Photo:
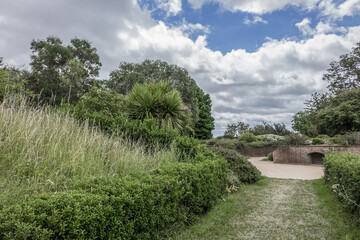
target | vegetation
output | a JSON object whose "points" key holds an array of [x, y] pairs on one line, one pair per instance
{"points": [[127, 75], [62, 72], [342, 173], [337, 111], [244, 171], [247, 137], [237, 129]]}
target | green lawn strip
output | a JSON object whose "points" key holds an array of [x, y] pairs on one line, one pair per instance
{"points": [[345, 225], [275, 209]]}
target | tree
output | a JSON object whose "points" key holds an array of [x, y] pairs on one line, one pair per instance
{"points": [[12, 81], [270, 128], [62, 72], [341, 113], [344, 74], [338, 110], [205, 123], [236, 129], [157, 101], [127, 75]]}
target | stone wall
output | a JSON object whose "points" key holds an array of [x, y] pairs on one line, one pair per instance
{"points": [[257, 152], [307, 154]]}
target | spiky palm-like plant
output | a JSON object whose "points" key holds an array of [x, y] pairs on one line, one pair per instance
{"points": [[159, 101]]}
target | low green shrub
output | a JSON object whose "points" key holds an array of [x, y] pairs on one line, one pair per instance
{"points": [[270, 138], [294, 139], [247, 137], [342, 172], [270, 157], [245, 171], [317, 141], [139, 207]]}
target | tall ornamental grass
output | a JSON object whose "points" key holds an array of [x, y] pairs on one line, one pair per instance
{"points": [[43, 150]]}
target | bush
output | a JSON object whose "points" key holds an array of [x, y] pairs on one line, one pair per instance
{"points": [[294, 139], [270, 138], [317, 141], [247, 137], [112, 208], [342, 172], [244, 170], [270, 157]]}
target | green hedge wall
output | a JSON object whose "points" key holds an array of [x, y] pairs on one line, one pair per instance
{"points": [[342, 172], [111, 208]]}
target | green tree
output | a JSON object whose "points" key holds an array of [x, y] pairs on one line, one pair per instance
{"points": [[12, 81], [127, 75], [62, 72], [236, 129], [270, 128], [336, 111], [157, 101], [345, 73], [205, 123]]}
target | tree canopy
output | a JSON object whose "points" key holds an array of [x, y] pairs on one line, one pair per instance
{"points": [[338, 110], [62, 72]]}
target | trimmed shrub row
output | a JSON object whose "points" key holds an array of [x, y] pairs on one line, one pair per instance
{"points": [[111, 208], [342, 172]]}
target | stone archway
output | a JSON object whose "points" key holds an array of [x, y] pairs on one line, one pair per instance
{"points": [[316, 158]]}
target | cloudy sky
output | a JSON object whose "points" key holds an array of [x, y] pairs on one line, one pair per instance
{"points": [[259, 59]]}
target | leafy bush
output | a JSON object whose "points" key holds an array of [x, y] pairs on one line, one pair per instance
{"points": [[294, 139], [270, 157], [317, 141], [245, 171], [270, 138], [113, 208], [342, 172], [247, 137]]}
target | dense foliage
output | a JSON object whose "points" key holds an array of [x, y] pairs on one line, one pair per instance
{"points": [[62, 72], [342, 172], [338, 110], [205, 123], [112, 208], [239, 128], [238, 164]]}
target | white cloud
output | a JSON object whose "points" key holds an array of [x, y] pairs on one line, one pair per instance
{"points": [[256, 19], [321, 27], [191, 28], [338, 11], [255, 6], [171, 7], [270, 83], [304, 26]]}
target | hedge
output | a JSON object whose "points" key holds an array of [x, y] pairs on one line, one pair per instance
{"points": [[342, 172], [111, 208]]}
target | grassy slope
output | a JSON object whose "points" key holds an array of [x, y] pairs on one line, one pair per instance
{"points": [[44, 151], [276, 209]]}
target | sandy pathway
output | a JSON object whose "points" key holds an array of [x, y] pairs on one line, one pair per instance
{"points": [[287, 171]]}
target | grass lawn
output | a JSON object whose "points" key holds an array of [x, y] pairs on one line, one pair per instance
{"points": [[275, 209]]}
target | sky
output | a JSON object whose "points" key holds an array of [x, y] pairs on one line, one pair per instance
{"points": [[259, 60]]}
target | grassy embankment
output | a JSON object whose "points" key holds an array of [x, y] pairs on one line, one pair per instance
{"points": [[44, 151], [276, 209]]}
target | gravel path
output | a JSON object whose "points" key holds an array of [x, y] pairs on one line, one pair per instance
{"points": [[287, 171]]}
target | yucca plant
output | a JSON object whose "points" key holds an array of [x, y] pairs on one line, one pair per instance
{"points": [[159, 101]]}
